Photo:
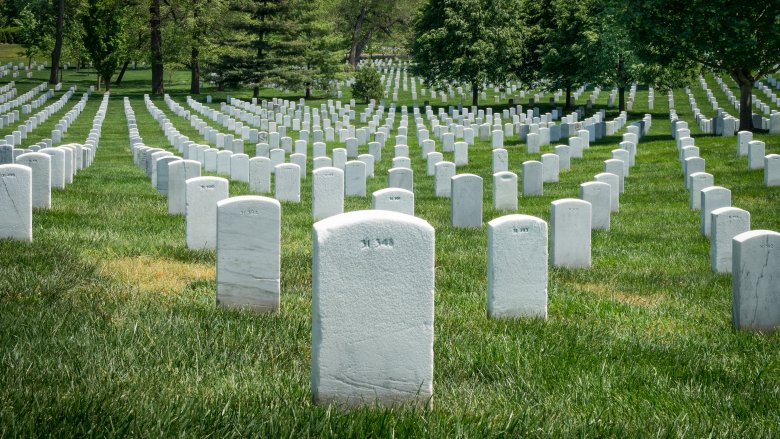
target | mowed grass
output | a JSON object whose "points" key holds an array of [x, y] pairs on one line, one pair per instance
{"points": [[109, 325]]}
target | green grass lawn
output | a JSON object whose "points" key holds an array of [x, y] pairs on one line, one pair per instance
{"points": [[109, 325]]}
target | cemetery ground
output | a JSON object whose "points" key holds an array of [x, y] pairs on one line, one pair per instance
{"points": [[109, 324]]}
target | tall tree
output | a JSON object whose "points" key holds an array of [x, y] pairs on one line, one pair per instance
{"points": [[741, 40], [364, 20], [104, 36], [155, 23], [273, 43], [467, 41], [558, 38], [57, 51], [29, 35]]}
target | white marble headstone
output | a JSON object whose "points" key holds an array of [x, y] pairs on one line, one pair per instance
{"points": [[16, 202], [570, 233], [517, 267], [756, 280], [372, 337], [202, 195]]}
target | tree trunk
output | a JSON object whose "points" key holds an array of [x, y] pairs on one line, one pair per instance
{"points": [[107, 80], [122, 72], [158, 77], [308, 91], [57, 51], [256, 91], [354, 53], [98, 82], [621, 98], [474, 94], [568, 98], [745, 82], [195, 69]]}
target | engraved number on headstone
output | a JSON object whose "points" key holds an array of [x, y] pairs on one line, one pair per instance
{"points": [[370, 244]]}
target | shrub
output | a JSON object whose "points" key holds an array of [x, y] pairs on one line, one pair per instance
{"points": [[367, 84]]}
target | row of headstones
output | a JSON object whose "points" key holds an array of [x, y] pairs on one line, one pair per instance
{"points": [[26, 182], [769, 94], [754, 150], [212, 136], [721, 125], [752, 257], [7, 105], [357, 188], [772, 123], [758, 103], [329, 190], [14, 116], [305, 121], [9, 153], [17, 137]]}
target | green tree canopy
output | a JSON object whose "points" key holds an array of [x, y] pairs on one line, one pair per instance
{"points": [[468, 41], [735, 38], [104, 36]]}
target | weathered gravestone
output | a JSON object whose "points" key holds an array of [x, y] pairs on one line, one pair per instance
{"points": [[401, 178], [163, 173], [756, 152], [431, 159], [40, 165], [442, 186], [500, 160], [772, 170], [517, 267], [614, 185], [570, 233], [617, 167], [393, 199], [505, 191], [239, 168], [327, 192], [550, 168], [287, 182], [202, 195], [713, 197], [16, 202], [248, 252], [756, 280], [598, 194], [726, 223], [533, 178], [466, 201], [372, 309], [260, 170], [6, 154], [564, 157], [179, 172], [57, 166], [691, 166], [699, 181], [743, 138]]}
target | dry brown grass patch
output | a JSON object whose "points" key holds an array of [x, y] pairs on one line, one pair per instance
{"points": [[157, 274], [607, 292]]}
